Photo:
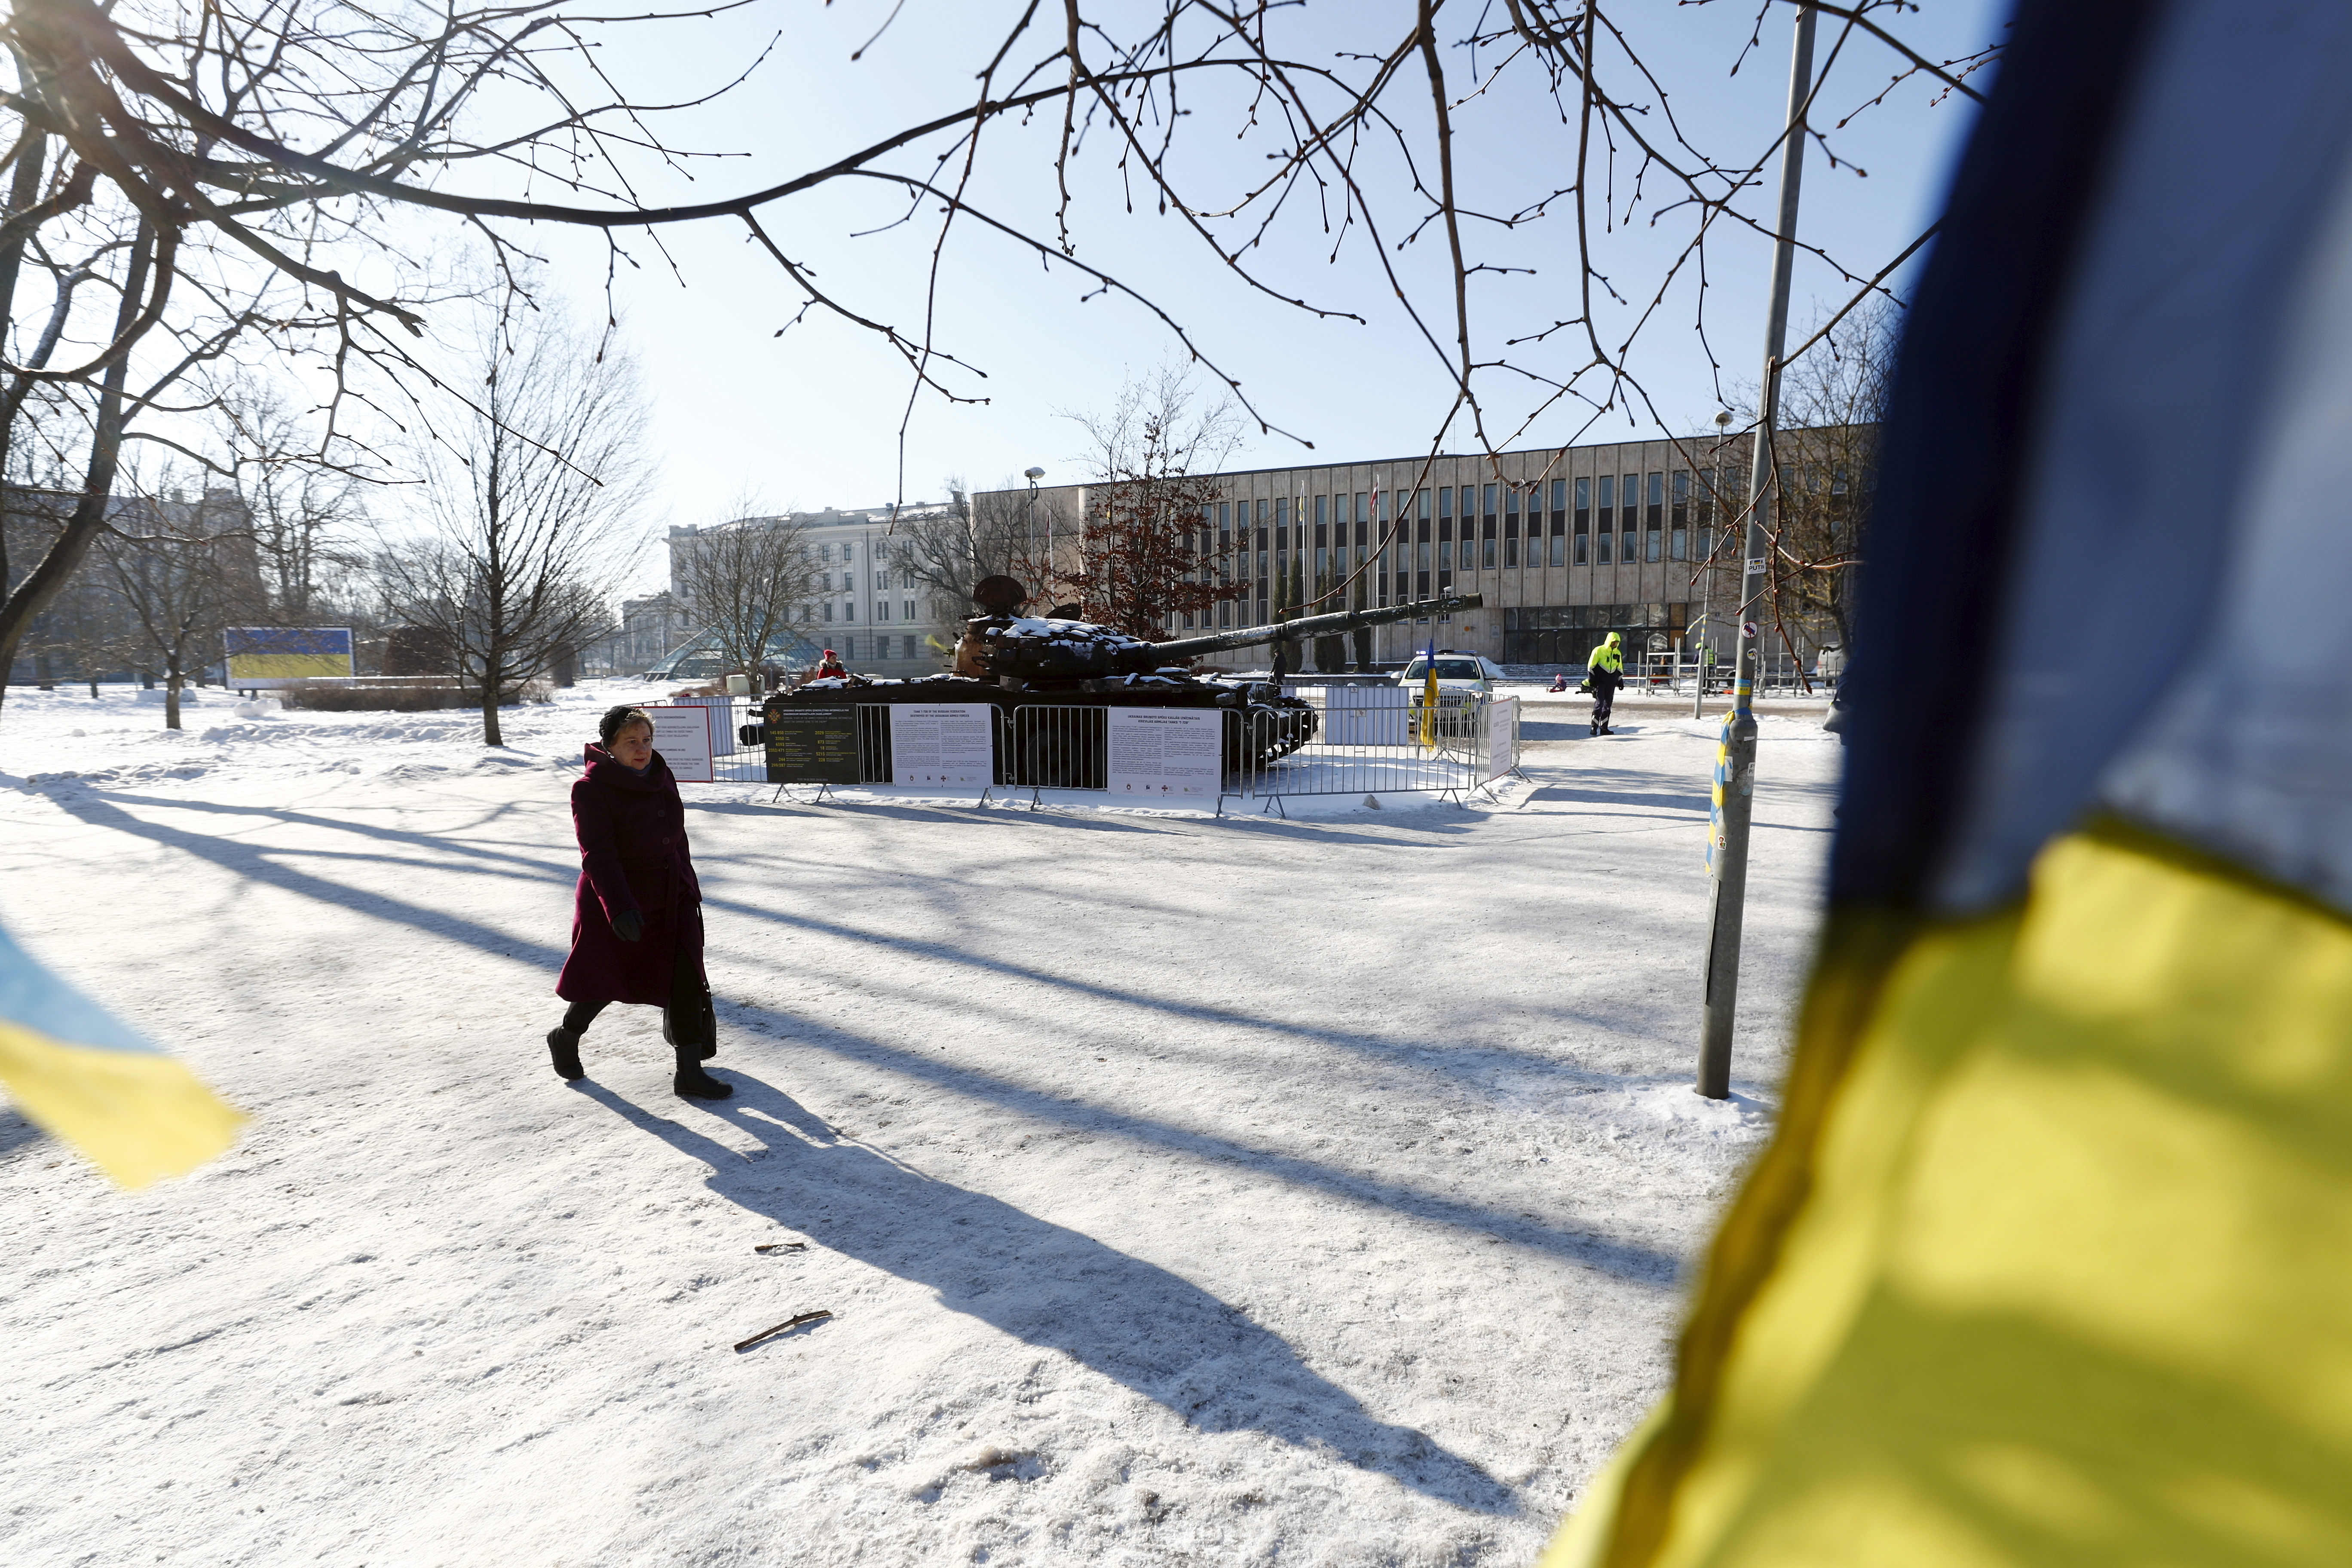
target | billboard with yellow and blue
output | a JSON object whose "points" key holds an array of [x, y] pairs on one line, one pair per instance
{"points": [[262, 657]]}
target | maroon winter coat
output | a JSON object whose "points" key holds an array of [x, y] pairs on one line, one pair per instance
{"points": [[632, 855]]}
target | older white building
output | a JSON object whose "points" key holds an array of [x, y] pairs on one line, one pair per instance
{"points": [[862, 602]]}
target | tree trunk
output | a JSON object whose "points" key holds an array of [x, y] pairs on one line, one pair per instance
{"points": [[491, 734], [172, 695], [45, 581]]}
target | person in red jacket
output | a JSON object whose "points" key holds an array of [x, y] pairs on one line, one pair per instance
{"points": [[636, 921]]}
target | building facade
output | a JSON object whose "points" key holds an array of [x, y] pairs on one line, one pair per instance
{"points": [[1564, 546], [864, 601]]}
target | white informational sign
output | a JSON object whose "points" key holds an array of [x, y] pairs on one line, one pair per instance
{"points": [[1502, 737], [1368, 715], [943, 743], [1167, 753], [682, 736]]}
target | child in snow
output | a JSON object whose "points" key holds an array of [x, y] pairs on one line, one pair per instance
{"points": [[636, 921]]}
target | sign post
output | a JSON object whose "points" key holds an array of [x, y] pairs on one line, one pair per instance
{"points": [[1734, 764]]}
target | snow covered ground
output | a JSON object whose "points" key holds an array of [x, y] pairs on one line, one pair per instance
{"points": [[1183, 1190]]}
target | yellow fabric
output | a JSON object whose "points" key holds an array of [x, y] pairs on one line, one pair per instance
{"points": [[2067, 1275], [140, 1117], [288, 665], [1608, 656]]}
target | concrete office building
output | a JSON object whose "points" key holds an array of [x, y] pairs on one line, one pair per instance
{"points": [[1565, 546]]}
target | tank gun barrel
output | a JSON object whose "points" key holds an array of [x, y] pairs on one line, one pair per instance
{"points": [[1318, 625]]}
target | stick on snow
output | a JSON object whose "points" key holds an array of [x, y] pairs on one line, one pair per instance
{"points": [[782, 1247], [792, 1322]]}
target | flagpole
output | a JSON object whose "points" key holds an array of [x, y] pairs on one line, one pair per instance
{"points": [[1734, 764]]}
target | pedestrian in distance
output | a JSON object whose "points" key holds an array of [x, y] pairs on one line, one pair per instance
{"points": [[636, 915], [1605, 672]]}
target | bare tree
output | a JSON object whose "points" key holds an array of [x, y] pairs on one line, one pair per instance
{"points": [[1146, 557], [1835, 404], [948, 550], [531, 494], [266, 170], [180, 568], [751, 579], [304, 515]]}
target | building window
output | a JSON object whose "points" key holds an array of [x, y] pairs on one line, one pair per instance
{"points": [[1224, 612], [1511, 552], [1318, 513], [1602, 540], [906, 607], [1607, 504], [1678, 544], [828, 609], [1628, 514], [849, 612], [1281, 513], [1487, 551], [825, 552], [1558, 498], [1489, 509], [1559, 549], [1583, 511], [882, 610], [1681, 518]]}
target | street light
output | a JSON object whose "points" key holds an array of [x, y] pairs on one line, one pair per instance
{"points": [[1033, 474]]}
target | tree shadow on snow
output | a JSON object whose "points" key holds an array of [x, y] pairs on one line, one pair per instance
{"points": [[1051, 1287]]}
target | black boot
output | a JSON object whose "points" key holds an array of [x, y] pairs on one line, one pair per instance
{"points": [[563, 1045], [693, 1082]]}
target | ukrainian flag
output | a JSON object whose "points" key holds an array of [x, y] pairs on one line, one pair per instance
{"points": [[86, 1078], [270, 655], [2049, 1262]]}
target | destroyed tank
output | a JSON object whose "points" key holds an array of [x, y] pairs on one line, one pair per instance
{"points": [[1051, 676]]}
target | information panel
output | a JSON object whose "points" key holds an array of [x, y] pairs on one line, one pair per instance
{"points": [[682, 735], [1166, 754], [1502, 737], [943, 743], [1368, 715], [809, 745]]}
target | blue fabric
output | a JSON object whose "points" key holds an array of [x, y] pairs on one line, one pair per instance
{"points": [[2158, 396], [33, 998], [1959, 430]]}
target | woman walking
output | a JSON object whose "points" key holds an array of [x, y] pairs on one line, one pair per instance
{"points": [[636, 921]]}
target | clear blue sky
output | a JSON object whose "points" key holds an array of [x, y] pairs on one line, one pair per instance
{"points": [[811, 418]]}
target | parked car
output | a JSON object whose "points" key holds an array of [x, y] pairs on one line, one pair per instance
{"points": [[1458, 674]]}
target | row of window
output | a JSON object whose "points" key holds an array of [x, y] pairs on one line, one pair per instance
{"points": [[849, 584], [882, 645], [848, 610], [1681, 496]]}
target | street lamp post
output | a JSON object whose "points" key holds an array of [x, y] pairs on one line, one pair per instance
{"points": [[1735, 766], [1033, 474]]}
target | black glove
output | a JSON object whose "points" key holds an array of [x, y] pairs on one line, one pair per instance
{"points": [[628, 925]]}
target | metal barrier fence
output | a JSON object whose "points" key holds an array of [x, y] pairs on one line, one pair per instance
{"points": [[1366, 741]]}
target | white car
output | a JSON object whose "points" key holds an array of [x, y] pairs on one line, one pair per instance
{"points": [[1458, 674]]}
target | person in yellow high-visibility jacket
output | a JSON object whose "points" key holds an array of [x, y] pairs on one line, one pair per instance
{"points": [[1605, 672]]}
